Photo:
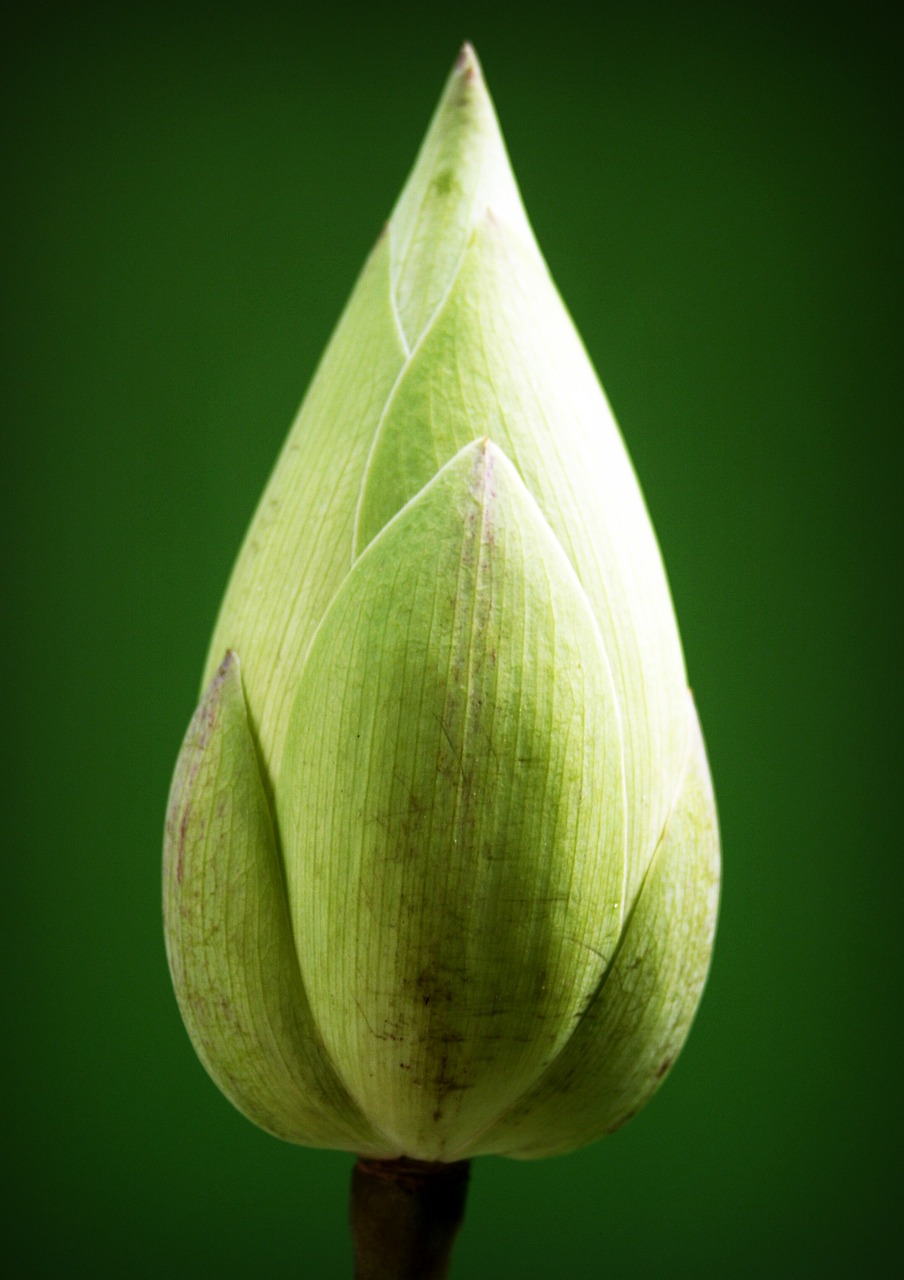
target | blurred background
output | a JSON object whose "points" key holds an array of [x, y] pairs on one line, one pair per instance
{"points": [[190, 192]]}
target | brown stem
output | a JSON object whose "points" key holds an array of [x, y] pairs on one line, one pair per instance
{"points": [[405, 1215]]}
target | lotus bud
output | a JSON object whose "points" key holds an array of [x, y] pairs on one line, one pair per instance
{"points": [[441, 856]]}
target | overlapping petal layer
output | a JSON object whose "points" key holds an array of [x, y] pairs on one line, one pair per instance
{"points": [[441, 865], [452, 809]]}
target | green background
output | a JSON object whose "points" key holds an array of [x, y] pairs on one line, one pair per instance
{"points": [[190, 192]]}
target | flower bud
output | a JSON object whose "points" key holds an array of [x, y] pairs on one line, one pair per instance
{"points": [[441, 858]]}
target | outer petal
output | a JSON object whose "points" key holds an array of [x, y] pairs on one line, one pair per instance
{"points": [[636, 1023], [301, 542], [454, 809], [229, 941], [502, 359], [299, 546]]}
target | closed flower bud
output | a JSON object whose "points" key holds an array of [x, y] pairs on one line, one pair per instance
{"points": [[441, 857]]}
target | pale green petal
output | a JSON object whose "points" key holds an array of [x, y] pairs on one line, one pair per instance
{"points": [[300, 543], [229, 941], [462, 169], [502, 359], [452, 809], [635, 1025]]}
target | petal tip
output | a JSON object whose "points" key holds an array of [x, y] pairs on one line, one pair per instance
{"points": [[467, 65]]}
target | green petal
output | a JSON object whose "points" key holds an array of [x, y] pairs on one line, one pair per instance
{"points": [[301, 542], [502, 359], [229, 941], [635, 1025], [452, 805], [462, 169]]}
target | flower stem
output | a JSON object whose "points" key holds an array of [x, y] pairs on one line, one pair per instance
{"points": [[405, 1215]]}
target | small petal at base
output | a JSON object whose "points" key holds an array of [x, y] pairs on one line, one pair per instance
{"points": [[228, 938]]}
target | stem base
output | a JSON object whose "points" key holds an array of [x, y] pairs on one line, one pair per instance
{"points": [[405, 1215]]}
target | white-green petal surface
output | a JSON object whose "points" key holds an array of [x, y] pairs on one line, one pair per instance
{"points": [[502, 359], [299, 546], [452, 809], [637, 1021], [229, 940], [462, 169]]}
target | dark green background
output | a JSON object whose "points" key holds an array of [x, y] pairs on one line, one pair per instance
{"points": [[190, 192]]}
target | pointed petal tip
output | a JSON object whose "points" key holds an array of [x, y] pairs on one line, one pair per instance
{"points": [[466, 64], [489, 465], [224, 672], [495, 457], [466, 89], [483, 451]]}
